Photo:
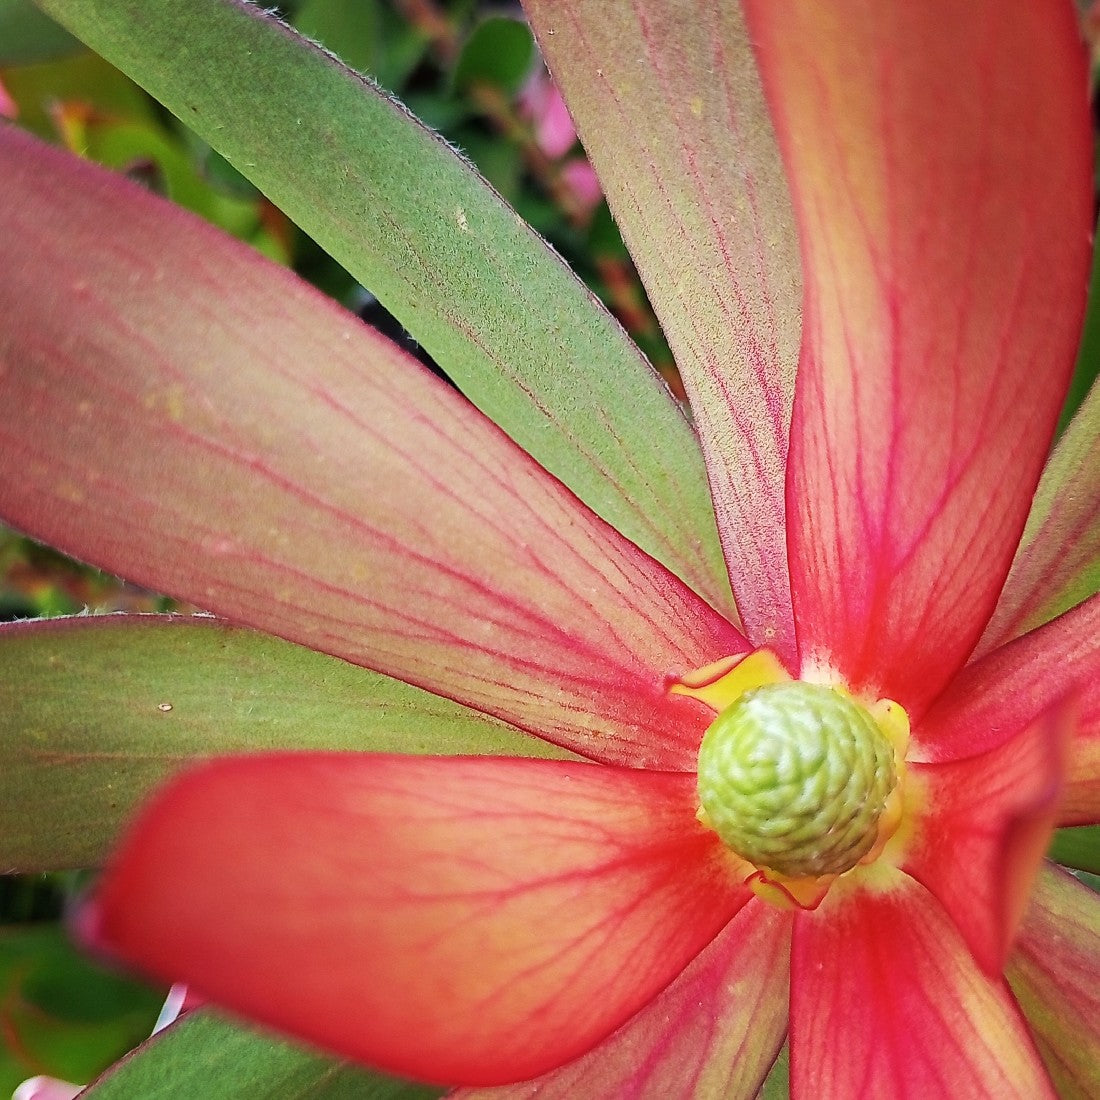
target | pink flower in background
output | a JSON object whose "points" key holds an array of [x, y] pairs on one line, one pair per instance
{"points": [[47, 1088], [541, 103], [8, 108]]}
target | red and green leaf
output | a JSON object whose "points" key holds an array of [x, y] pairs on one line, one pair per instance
{"points": [[464, 920], [672, 116], [945, 246], [491, 302], [886, 1000], [1053, 974], [1058, 562], [201, 421]]}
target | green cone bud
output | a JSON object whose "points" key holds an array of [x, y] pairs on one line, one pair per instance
{"points": [[794, 777]]}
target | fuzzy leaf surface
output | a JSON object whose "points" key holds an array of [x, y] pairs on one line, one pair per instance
{"points": [[420, 229], [96, 711]]}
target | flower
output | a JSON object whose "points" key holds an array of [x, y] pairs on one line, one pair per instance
{"points": [[484, 919], [541, 103], [7, 104], [47, 1088]]}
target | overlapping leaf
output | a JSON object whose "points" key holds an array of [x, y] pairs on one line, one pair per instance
{"points": [[416, 225], [202, 421], [475, 920], [96, 711], [672, 115], [205, 1055], [942, 312], [1058, 562]]}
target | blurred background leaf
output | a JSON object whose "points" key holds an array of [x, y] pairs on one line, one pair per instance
{"points": [[1078, 848], [369, 36], [26, 34], [61, 1015], [1088, 356], [499, 53]]}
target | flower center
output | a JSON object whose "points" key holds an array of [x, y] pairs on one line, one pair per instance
{"points": [[795, 777]]}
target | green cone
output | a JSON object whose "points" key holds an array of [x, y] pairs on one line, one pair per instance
{"points": [[794, 777]]}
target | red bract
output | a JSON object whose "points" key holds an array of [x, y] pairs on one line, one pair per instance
{"points": [[486, 920]]}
